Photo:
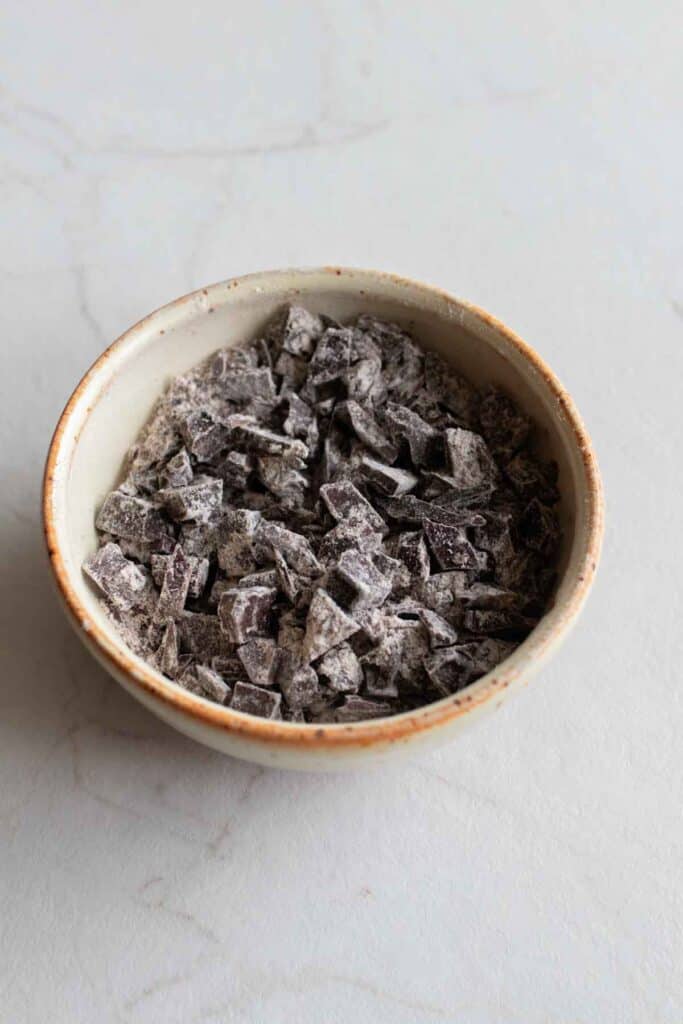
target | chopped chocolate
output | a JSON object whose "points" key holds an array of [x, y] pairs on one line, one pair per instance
{"points": [[328, 525], [211, 684], [197, 501], [124, 583], [326, 626], [244, 612], [254, 700], [345, 503], [341, 670], [260, 660]]}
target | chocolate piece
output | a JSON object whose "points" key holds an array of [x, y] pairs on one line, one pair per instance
{"points": [[450, 546], [197, 501], [254, 700], [367, 429], [539, 528], [246, 431], [282, 480], [531, 478], [235, 468], [345, 503], [203, 435], [300, 330], [442, 591], [211, 684], [372, 586], [470, 460], [168, 651], [260, 660], [358, 709], [341, 670], [332, 356], [439, 630], [410, 509], [345, 537], [298, 681], [389, 480], [124, 583], [249, 384], [244, 612], [228, 666], [201, 635], [412, 550], [326, 626], [199, 573], [177, 472], [422, 439], [293, 547], [450, 669], [236, 549], [134, 519], [175, 585]]}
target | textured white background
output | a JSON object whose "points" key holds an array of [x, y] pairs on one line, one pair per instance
{"points": [[525, 155]]}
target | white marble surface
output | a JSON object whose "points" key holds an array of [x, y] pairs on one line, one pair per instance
{"points": [[525, 155]]}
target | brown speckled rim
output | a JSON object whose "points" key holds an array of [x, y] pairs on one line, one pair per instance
{"points": [[109, 649]]}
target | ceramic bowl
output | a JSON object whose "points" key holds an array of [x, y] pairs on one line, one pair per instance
{"points": [[115, 397]]}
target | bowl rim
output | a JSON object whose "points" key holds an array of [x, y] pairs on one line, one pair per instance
{"points": [[110, 649]]}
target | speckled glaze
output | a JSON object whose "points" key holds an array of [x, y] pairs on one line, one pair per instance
{"points": [[115, 397]]}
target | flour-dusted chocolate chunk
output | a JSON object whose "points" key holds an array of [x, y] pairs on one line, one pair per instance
{"points": [[198, 576], [330, 523], [236, 542], [245, 612], [245, 431], [178, 470], [167, 655], [366, 428], [502, 424], [422, 439], [254, 700], [124, 583], [441, 633], [249, 384], [282, 480], [260, 659], [203, 435], [293, 547], [372, 587], [388, 480], [411, 548], [332, 356], [450, 546], [340, 669], [450, 669], [298, 681], [409, 509], [359, 709], [202, 635], [498, 622], [175, 585], [211, 684], [326, 626], [471, 463], [235, 469], [346, 536], [132, 518], [345, 503], [197, 501], [443, 591]]}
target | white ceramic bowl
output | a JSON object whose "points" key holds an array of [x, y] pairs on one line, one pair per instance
{"points": [[115, 397]]}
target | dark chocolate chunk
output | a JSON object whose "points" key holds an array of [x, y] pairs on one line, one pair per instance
{"points": [[134, 519], [502, 424], [245, 612], [359, 709], [441, 633], [297, 680], [300, 330], [198, 576], [327, 625], [372, 586], [203, 435], [367, 429], [201, 635], [422, 439], [388, 480], [471, 464], [124, 583], [197, 501], [211, 685], [168, 651], [450, 546], [293, 547], [260, 660], [175, 585], [539, 528], [332, 356], [254, 700], [245, 430], [340, 669], [410, 509], [412, 550], [177, 472], [345, 503]]}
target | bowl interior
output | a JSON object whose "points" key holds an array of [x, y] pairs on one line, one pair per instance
{"points": [[116, 397]]}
